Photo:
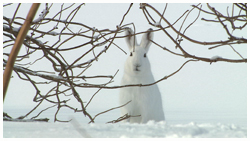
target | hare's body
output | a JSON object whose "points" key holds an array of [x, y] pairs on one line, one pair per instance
{"points": [[146, 102]]}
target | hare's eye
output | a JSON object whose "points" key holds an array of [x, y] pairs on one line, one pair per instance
{"points": [[145, 55], [131, 54]]}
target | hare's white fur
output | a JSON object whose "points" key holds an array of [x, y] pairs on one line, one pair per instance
{"points": [[146, 102]]}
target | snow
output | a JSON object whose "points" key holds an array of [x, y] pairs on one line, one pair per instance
{"points": [[215, 58], [14, 29], [37, 74], [157, 24], [178, 124], [95, 37], [5, 27], [121, 130], [53, 33], [41, 16], [196, 90], [64, 21]]}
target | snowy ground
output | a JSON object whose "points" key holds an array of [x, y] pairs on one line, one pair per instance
{"points": [[121, 130], [177, 125]]}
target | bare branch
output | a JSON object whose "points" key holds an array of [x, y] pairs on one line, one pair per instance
{"points": [[65, 75], [111, 109]]}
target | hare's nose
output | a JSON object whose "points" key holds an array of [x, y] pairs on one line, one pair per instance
{"points": [[137, 66]]}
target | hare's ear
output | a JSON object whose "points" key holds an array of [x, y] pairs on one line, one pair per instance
{"points": [[146, 39], [130, 39]]}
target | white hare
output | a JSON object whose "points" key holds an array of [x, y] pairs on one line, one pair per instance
{"points": [[145, 101]]}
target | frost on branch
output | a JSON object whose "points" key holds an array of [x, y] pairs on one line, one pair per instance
{"points": [[157, 24], [56, 48], [54, 57], [215, 58], [41, 16], [53, 33]]}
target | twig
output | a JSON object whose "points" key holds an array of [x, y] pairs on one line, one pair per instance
{"points": [[110, 109], [236, 51], [16, 47], [124, 117]]}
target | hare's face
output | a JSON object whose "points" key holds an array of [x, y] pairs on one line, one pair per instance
{"points": [[137, 62]]}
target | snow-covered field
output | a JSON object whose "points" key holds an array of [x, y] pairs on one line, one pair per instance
{"points": [[178, 124], [121, 130]]}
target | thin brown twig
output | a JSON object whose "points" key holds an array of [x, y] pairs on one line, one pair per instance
{"points": [[236, 51], [110, 110]]}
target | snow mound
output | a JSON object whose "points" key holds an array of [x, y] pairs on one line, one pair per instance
{"points": [[121, 130]]}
